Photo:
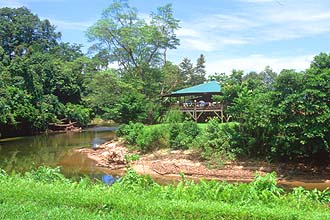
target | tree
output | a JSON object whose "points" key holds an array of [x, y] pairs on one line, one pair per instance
{"points": [[166, 25], [131, 41], [252, 80], [198, 76], [289, 116], [253, 109], [219, 77], [232, 86], [133, 106], [38, 75], [186, 71], [103, 90], [172, 78], [67, 52], [22, 31], [316, 106], [321, 62], [268, 77]]}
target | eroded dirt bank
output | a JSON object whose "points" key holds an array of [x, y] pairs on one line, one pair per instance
{"points": [[166, 165]]}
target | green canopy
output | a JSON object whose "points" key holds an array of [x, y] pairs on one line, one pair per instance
{"points": [[212, 87]]}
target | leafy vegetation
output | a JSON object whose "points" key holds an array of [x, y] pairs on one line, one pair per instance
{"points": [[42, 194], [217, 142], [40, 78], [284, 115], [220, 142], [182, 135], [44, 81]]}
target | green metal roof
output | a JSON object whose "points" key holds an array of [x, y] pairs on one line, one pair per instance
{"points": [[209, 87]]}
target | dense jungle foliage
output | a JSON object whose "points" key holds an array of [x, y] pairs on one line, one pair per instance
{"points": [[44, 80], [44, 193], [282, 115]]}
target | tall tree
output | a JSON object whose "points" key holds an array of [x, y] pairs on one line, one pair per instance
{"points": [[172, 78], [21, 31], [186, 71], [232, 86], [268, 77], [166, 25], [40, 78], [198, 76], [131, 41]]}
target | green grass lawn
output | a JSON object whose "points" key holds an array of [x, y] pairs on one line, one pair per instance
{"points": [[48, 195]]}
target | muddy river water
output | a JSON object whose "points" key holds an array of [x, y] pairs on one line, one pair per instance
{"points": [[23, 153], [56, 149]]}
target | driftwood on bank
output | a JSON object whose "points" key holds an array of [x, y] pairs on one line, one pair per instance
{"points": [[70, 126], [110, 154]]}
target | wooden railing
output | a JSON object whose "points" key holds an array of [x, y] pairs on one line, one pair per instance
{"points": [[197, 109], [200, 106]]}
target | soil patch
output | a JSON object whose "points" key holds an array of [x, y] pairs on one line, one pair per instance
{"points": [[167, 164]]}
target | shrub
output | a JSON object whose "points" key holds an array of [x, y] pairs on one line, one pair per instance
{"points": [[302, 195], [219, 142], [267, 183], [173, 116], [122, 130], [134, 181], [152, 138], [182, 135], [77, 113], [130, 132], [46, 174], [174, 131], [191, 129]]}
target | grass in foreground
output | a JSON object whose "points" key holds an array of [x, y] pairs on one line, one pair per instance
{"points": [[46, 194]]}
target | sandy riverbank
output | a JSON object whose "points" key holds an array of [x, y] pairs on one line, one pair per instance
{"points": [[167, 164]]}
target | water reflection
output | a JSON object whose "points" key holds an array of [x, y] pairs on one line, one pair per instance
{"points": [[96, 129], [108, 179], [22, 154]]}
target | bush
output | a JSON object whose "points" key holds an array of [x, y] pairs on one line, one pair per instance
{"points": [[267, 183], [219, 142], [191, 129], [175, 130], [152, 138], [132, 107], [134, 181], [149, 138], [173, 116], [46, 174], [130, 132], [182, 135], [122, 130], [78, 113]]}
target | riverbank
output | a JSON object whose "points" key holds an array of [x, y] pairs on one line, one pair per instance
{"points": [[165, 165]]}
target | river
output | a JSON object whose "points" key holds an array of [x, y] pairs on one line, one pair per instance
{"points": [[20, 154]]}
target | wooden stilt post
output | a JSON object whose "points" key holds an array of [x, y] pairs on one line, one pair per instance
{"points": [[195, 116]]}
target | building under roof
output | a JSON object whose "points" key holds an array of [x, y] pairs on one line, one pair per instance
{"points": [[206, 89], [197, 102]]}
